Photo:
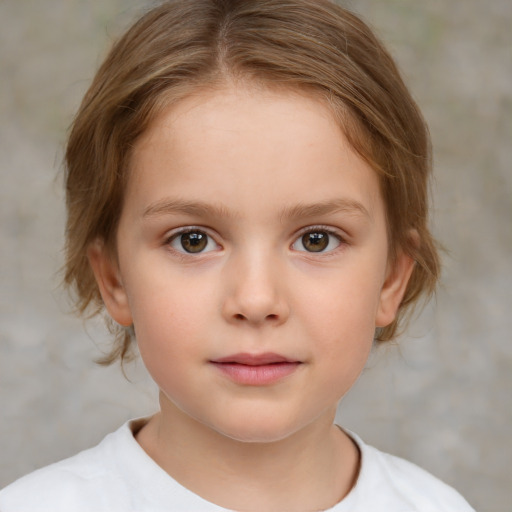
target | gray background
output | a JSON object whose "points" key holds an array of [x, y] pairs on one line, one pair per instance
{"points": [[441, 398]]}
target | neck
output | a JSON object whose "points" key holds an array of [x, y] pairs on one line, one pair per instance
{"points": [[313, 468]]}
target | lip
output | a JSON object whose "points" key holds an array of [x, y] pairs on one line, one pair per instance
{"points": [[256, 369]]}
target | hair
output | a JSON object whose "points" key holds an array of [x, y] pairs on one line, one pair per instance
{"points": [[181, 47]]}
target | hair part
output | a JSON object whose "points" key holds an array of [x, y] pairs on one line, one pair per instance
{"points": [[179, 48]]}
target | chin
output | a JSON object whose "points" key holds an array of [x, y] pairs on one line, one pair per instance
{"points": [[257, 430]]}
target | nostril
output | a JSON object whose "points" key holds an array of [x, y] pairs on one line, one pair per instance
{"points": [[240, 316]]}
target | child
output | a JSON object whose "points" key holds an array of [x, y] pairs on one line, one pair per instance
{"points": [[247, 197]]}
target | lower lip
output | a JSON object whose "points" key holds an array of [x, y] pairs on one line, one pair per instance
{"points": [[257, 375]]}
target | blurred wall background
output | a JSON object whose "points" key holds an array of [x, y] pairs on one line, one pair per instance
{"points": [[441, 398]]}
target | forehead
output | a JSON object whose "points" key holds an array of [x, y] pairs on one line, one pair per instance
{"points": [[243, 107], [242, 142]]}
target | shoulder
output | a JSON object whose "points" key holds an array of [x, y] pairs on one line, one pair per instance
{"points": [[71, 484], [399, 485]]}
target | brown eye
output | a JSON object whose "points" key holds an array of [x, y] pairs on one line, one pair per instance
{"points": [[315, 241], [194, 241]]}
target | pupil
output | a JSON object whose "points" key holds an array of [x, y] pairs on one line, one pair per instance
{"points": [[315, 242], [193, 242]]}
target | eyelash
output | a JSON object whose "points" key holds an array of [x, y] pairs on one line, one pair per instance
{"points": [[321, 229], [183, 231], [308, 230]]}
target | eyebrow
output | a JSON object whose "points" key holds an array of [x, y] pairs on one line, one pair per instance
{"points": [[170, 206], [193, 208], [347, 206]]}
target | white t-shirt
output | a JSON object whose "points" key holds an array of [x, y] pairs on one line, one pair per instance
{"points": [[118, 476]]}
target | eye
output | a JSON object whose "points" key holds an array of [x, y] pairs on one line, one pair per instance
{"points": [[192, 241], [317, 240]]}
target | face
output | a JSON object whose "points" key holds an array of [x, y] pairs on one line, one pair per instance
{"points": [[252, 261]]}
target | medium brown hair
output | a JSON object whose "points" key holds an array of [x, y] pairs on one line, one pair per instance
{"points": [[183, 45]]}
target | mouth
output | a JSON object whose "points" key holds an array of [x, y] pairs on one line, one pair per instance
{"points": [[256, 369]]}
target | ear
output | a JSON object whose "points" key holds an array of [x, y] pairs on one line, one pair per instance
{"points": [[393, 289], [106, 272]]}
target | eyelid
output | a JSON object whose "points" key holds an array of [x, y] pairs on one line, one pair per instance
{"points": [[175, 233], [338, 233], [331, 231]]}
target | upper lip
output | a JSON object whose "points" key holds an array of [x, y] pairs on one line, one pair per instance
{"points": [[255, 359]]}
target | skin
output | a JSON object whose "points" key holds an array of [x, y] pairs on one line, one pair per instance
{"points": [[254, 170]]}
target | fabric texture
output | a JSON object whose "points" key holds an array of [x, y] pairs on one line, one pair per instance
{"points": [[118, 476]]}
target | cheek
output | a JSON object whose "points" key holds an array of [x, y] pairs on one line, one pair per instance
{"points": [[343, 333], [339, 319], [168, 315], [170, 333], [345, 303]]}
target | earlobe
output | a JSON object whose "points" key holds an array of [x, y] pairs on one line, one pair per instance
{"points": [[106, 272], [393, 289]]}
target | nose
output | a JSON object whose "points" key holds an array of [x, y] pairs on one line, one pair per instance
{"points": [[255, 292]]}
